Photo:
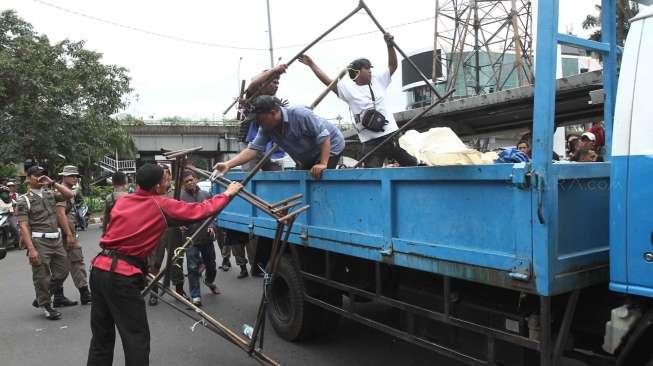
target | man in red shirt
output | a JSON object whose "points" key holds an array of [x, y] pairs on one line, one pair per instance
{"points": [[117, 275]]}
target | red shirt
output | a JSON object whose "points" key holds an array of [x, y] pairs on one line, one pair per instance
{"points": [[138, 221]]}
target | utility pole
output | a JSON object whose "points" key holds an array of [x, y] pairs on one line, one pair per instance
{"points": [[270, 35]]}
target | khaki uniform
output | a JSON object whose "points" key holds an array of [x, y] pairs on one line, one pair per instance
{"points": [[75, 257], [40, 215]]}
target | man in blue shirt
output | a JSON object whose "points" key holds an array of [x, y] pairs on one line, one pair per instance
{"points": [[313, 142]]}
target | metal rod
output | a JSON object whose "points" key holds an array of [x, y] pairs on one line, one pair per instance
{"points": [[286, 207], [564, 327], [259, 165], [291, 198], [175, 154], [224, 331], [419, 72], [404, 127], [422, 342], [209, 219], [545, 333], [271, 265], [242, 91], [294, 213], [329, 88], [224, 182], [270, 35], [177, 255], [446, 290], [504, 336], [299, 54]]}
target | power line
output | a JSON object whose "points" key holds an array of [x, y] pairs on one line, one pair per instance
{"points": [[145, 31], [212, 44], [363, 33]]}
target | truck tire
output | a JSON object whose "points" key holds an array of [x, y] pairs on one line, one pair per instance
{"points": [[293, 318]]}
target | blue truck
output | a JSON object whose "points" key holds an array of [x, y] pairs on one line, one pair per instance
{"points": [[507, 264]]}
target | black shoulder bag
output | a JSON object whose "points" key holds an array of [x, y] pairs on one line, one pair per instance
{"points": [[372, 119]]}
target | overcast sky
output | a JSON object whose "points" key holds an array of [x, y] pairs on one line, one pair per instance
{"points": [[194, 80]]}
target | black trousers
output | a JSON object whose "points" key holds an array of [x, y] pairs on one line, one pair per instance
{"points": [[391, 150], [117, 303]]}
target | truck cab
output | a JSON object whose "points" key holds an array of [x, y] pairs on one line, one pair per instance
{"points": [[631, 213]]}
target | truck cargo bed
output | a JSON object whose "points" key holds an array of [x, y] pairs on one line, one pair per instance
{"points": [[477, 223]]}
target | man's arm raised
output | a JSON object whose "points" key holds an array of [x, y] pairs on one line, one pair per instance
{"points": [[324, 78]]}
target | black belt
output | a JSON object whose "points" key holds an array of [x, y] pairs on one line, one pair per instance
{"points": [[134, 261]]}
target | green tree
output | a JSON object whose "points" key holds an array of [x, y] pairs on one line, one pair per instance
{"points": [[625, 11], [56, 100]]}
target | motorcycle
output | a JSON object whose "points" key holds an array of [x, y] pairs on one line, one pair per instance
{"points": [[8, 233], [82, 216]]}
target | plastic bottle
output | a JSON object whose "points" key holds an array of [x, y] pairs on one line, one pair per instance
{"points": [[248, 330]]}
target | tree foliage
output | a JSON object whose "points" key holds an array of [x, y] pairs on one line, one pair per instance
{"points": [[625, 11], [57, 99]]}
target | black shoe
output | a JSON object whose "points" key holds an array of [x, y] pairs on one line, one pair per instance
{"points": [[226, 264], [213, 287], [256, 271], [59, 300], [35, 303], [3, 253], [85, 296], [243, 271], [50, 313]]}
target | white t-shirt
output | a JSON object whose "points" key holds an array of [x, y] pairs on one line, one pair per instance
{"points": [[359, 99]]}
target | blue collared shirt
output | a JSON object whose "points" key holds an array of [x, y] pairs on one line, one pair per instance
{"points": [[300, 135], [251, 135]]}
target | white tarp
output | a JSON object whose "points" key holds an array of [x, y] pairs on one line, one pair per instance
{"points": [[441, 146]]}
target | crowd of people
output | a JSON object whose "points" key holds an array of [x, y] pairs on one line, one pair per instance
{"points": [[584, 148]]}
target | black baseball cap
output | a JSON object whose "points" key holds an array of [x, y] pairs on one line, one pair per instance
{"points": [[35, 170]]}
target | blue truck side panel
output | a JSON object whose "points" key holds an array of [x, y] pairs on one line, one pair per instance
{"points": [[470, 222], [630, 271]]}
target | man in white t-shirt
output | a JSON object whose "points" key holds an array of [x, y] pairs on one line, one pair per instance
{"points": [[364, 91]]}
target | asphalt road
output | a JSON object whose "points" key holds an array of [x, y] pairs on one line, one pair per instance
{"points": [[27, 338]]}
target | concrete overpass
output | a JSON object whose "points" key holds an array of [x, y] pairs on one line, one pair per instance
{"points": [[219, 140]]}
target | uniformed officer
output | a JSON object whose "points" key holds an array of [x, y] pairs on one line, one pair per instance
{"points": [[75, 260], [40, 225]]}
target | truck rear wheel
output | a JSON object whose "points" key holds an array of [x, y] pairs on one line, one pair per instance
{"points": [[293, 318]]}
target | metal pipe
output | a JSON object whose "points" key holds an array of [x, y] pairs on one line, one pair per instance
{"points": [[208, 220], [260, 314], [175, 154], [177, 255], [286, 207], [223, 330], [563, 333], [328, 89], [270, 35], [259, 165], [291, 198], [257, 91], [404, 127], [294, 214], [224, 182], [419, 72]]}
